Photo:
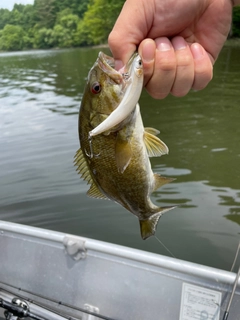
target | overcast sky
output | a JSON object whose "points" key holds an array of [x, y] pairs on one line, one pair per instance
{"points": [[8, 4]]}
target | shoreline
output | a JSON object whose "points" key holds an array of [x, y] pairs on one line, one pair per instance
{"points": [[232, 42]]}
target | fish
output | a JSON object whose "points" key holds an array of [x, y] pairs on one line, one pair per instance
{"points": [[115, 161]]}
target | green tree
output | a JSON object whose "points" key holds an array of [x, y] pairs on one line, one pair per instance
{"points": [[61, 14], [81, 37], [61, 37], [64, 30], [77, 7], [61, 23], [4, 17], [69, 22], [98, 21], [28, 17], [82, 8], [43, 38], [19, 7], [45, 13], [12, 38], [16, 17]]}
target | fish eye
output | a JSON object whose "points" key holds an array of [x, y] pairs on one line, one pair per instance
{"points": [[139, 63], [96, 88]]}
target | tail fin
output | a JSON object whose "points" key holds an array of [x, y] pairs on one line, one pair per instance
{"points": [[148, 226]]}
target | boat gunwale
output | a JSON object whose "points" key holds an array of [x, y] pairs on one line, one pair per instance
{"points": [[147, 258]]}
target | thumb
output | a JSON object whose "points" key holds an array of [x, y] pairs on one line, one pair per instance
{"points": [[129, 30]]}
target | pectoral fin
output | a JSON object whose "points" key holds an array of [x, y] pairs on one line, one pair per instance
{"points": [[148, 226], [155, 146], [160, 181], [123, 153], [83, 169]]}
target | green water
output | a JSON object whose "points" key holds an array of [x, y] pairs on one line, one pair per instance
{"points": [[40, 94]]}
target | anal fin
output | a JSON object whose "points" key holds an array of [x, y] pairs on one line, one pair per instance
{"points": [[159, 181], [94, 192]]}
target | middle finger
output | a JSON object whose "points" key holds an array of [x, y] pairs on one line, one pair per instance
{"points": [[161, 82], [185, 68]]}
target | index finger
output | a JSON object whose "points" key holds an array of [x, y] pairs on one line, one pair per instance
{"points": [[129, 30]]}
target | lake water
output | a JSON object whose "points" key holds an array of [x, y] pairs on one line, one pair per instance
{"points": [[40, 94]]}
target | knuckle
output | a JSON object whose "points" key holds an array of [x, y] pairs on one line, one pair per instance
{"points": [[167, 65], [113, 39], [166, 61], [179, 94], [202, 78], [157, 94], [185, 60], [204, 73]]}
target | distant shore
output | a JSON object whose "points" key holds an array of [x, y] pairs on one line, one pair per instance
{"points": [[233, 42]]}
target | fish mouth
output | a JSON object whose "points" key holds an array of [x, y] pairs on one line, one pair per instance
{"points": [[107, 65], [106, 60]]}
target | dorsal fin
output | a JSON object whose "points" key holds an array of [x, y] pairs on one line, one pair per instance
{"points": [[83, 169], [155, 146], [153, 131], [160, 181]]}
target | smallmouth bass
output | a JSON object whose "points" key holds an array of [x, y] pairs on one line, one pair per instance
{"points": [[114, 159]]}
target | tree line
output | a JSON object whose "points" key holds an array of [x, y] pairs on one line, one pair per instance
{"points": [[57, 23], [64, 23]]}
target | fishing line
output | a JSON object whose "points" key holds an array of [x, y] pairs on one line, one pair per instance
{"points": [[226, 313], [236, 256], [228, 287], [165, 247]]}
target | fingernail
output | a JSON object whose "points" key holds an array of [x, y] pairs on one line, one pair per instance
{"points": [[148, 51], [179, 43], [118, 64], [197, 51], [163, 44]]}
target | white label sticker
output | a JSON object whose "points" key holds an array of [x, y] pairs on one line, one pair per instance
{"points": [[199, 303]]}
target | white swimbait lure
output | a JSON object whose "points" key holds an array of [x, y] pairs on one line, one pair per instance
{"points": [[129, 100]]}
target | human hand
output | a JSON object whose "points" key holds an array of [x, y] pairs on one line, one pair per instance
{"points": [[178, 40]]}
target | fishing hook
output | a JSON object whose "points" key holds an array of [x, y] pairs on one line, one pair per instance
{"points": [[125, 76], [91, 154]]}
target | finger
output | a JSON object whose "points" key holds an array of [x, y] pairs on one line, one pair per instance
{"points": [[147, 49], [185, 68], [129, 30], [202, 65], [161, 82]]}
